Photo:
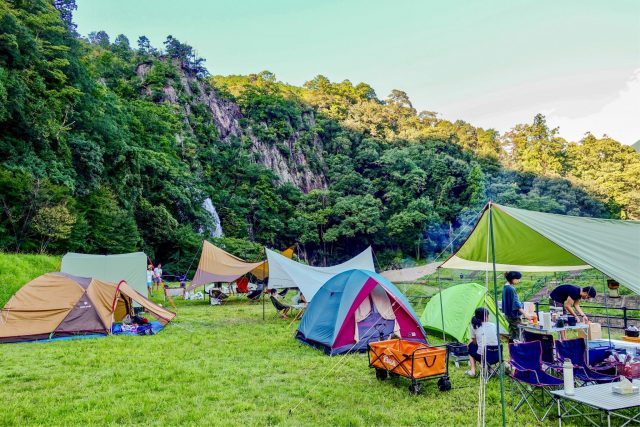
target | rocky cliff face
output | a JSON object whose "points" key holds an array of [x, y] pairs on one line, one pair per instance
{"points": [[293, 168]]}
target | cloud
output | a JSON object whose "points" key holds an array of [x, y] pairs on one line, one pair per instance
{"points": [[602, 101], [619, 118]]}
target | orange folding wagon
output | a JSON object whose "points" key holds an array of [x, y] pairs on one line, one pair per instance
{"points": [[413, 360]]}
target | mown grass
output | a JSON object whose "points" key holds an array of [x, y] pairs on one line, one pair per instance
{"points": [[221, 365], [218, 366]]}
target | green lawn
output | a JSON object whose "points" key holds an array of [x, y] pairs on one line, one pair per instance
{"points": [[220, 365], [18, 269]]}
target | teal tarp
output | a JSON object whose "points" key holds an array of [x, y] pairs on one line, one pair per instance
{"points": [[131, 267]]}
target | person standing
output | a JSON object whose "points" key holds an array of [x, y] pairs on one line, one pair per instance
{"points": [[157, 276], [149, 279], [511, 305]]}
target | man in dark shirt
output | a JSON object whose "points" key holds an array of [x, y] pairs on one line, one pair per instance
{"points": [[511, 305], [569, 297]]}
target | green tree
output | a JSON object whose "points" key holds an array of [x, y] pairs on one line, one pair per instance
{"points": [[53, 223]]}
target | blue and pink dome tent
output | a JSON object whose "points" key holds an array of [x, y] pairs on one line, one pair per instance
{"points": [[354, 308]]}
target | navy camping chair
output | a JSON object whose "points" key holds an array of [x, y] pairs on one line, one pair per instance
{"points": [[529, 376], [575, 350], [546, 341], [491, 359]]}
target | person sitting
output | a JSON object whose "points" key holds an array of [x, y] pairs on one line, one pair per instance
{"points": [[282, 308], [569, 297], [483, 334], [298, 300]]}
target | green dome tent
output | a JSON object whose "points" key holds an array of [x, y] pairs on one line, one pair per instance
{"points": [[459, 303]]}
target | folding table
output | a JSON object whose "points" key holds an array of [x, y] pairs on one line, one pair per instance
{"points": [[602, 400]]}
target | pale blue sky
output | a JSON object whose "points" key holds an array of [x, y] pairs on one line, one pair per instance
{"points": [[492, 63]]}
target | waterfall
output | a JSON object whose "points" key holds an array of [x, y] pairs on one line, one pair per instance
{"points": [[217, 227]]}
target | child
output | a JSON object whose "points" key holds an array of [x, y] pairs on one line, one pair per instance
{"points": [[483, 333], [149, 279]]}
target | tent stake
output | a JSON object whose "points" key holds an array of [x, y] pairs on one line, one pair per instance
{"points": [[495, 297]]}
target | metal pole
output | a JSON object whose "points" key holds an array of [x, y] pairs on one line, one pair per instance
{"points": [[444, 335], [606, 309], [263, 302], [495, 298]]}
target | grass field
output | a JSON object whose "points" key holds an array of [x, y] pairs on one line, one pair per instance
{"points": [[220, 365]]}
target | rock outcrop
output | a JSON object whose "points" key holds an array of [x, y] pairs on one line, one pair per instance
{"points": [[294, 167]]}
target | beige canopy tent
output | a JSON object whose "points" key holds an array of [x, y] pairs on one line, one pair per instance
{"points": [[411, 274], [59, 304], [217, 265]]}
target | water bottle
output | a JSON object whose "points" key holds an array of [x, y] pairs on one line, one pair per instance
{"points": [[567, 373]]}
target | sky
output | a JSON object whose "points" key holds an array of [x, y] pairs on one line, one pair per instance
{"points": [[491, 63]]}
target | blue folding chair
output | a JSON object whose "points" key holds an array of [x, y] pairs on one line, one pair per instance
{"points": [[575, 350], [529, 376]]}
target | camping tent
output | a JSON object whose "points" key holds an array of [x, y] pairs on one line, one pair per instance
{"points": [[262, 271], [411, 274], [59, 305], [132, 268], [458, 303], [286, 273], [535, 241], [355, 307], [217, 265]]}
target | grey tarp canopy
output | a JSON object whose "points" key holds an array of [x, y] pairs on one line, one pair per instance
{"points": [[131, 267], [535, 241], [410, 274]]}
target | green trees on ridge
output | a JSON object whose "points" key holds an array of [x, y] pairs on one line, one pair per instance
{"points": [[105, 148]]}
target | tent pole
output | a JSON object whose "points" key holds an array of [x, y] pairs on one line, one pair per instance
{"points": [[263, 303], [606, 309], [444, 335], [495, 297]]}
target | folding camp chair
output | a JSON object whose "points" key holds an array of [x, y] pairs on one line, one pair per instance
{"points": [[281, 308], [491, 360], [529, 376], [546, 341], [575, 350], [283, 292]]}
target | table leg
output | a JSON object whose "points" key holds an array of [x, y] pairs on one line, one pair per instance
{"points": [[559, 414], [608, 419]]}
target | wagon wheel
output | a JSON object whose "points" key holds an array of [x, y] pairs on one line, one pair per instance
{"points": [[381, 374], [444, 384], [415, 389]]}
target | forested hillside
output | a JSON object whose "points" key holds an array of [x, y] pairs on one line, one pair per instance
{"points": [[111, 146]]}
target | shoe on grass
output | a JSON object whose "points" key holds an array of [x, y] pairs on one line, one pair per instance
{"points": [[470, 375]]}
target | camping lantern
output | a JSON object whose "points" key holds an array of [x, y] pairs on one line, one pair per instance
{"points": [[614, 291]]}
